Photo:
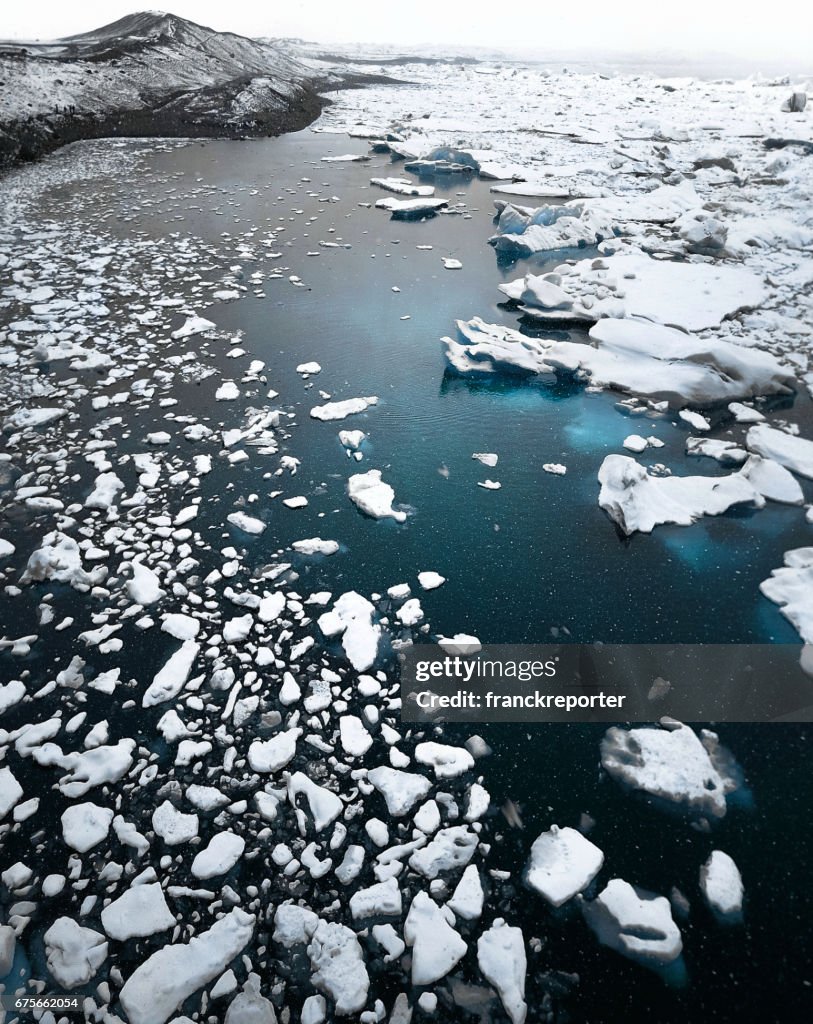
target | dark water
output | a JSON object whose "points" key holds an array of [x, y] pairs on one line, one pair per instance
{"points": [[536, 555]]}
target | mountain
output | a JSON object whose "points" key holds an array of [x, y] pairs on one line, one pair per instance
{"points": [[150, 74]]}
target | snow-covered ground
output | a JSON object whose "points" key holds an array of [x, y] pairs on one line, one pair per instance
{"points": [[235, 789]]}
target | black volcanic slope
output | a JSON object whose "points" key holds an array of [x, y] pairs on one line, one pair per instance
{"points": [[149, 74]]}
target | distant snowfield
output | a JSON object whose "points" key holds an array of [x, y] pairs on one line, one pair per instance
{"points": [[222, 744]]}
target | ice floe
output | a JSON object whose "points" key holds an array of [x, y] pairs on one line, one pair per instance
{"points": [[673, 764], [563, 863], [791, 587], [721, 884], [634, 922]]}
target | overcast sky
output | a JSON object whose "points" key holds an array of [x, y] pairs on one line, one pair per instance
{"points": [[748, 28]]}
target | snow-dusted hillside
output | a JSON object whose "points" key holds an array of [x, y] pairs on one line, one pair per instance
{"points": [[148, 74]]}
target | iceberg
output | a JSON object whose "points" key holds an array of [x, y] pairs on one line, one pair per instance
{"points": [[690, 296], [635, 923], [157, 987], [562, 863], [791, 587], [371, 495], [672, 764]]}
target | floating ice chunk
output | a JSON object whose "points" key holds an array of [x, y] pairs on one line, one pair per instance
{"points": [[427, 817], [554, 468], [490, 485], [745, 413], [8, 946], [468, 897], [436, 946], [166, 979], [501, 958], [401, 790], [791, 587], [355, 739], [314, 1009], [352, 618], [219, 857], [179, 625], [144, 586], [294, 925], [309, 368], [206, 798], [299, 502], [246, 523], [338, 967], [10, 791], [431, 580], [341, 410], [73, 954], [634, 922], [721, 884], [447, 761], [662, 363], [637, 501], [351, 439], [105, 488], [249, 1006], [380, 900], [22, 419], [85, 825], [794, 453], [636, 443], [315, 546], [460, 643], [451, 848], [694, 419], [325, 806], [349, 157], [725, 452], [773, 481], [273, 754], [59, 559], [271, 607], [171, 679], [452, 264], [172, 825], [6, 548], [238, 628], [690, 296], [410, 613], [403, 186], [193, 325], [562, 863], [547, 228], [96, 767], [374, 497], [672, 764], [227, 392], [410, 209], [491, 348], [385, 935], [140, 911]]}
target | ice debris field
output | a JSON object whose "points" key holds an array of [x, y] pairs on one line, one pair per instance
{"points": [[209, 808]]}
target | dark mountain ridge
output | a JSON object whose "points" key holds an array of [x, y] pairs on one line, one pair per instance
{"points": [[151, 74]]}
